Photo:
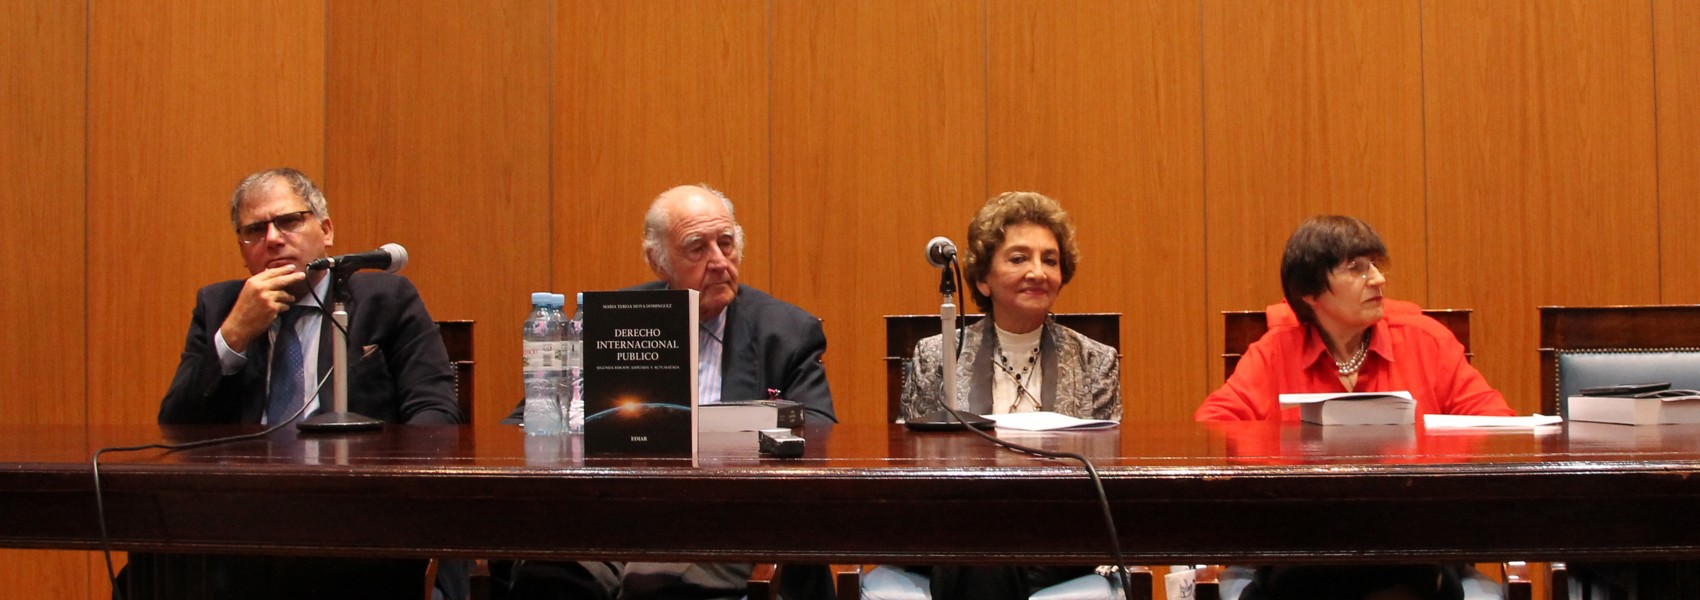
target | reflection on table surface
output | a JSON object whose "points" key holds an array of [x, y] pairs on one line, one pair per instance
{"points": [[1181, 492]]}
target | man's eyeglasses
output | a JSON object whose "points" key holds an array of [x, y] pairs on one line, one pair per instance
{"points": [[254, 233], [1360, 267]]}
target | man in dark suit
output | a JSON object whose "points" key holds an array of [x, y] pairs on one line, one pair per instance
{"points": [[256, 351], [749, 342], [398, 371]]}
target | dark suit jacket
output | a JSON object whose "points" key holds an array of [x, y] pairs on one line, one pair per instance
{"points": [[398, 369], [771, 344]]}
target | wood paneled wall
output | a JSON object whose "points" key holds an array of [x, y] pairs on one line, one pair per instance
{"points": [[1541, 168], [43, 84], [439, 141], [682, 98], [1096, 103], [879, 144], [1309, 108], [1512, 153], [185, 99], [1676, 68]]}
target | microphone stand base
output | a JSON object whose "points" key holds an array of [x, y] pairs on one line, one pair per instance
{"points": [[339, 421], [940, 420]]}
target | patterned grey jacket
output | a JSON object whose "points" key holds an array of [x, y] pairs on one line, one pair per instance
{"points": [[1082, 378]]}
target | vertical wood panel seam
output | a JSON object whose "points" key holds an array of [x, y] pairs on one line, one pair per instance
{"points": [[985, 103], [772, 197], [1658, 183], [1422, 106], [88, 83], [549, 125], [89, 585], [1204, 194], [325, 124]]}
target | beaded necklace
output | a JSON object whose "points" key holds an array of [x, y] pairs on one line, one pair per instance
{"points": [[1022, 396]]}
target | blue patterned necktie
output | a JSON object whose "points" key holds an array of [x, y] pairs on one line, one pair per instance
{"points": [[286, 369]]}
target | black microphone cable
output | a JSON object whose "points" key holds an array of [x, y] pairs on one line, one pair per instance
{"points": [[1091, 471], [325, 311], [106, 541], [961, 308]]}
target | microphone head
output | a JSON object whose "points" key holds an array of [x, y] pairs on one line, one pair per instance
{"points": [[940, 251], [398, 256]]}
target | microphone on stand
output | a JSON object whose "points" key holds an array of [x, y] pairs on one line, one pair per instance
{"points": [[390, 258], [941, 254]]}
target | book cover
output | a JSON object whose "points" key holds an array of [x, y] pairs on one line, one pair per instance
{"points": [[1362, 408], [640, 373]]}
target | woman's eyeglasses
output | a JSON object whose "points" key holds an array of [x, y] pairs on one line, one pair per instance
{"points": [[1361, 267]]}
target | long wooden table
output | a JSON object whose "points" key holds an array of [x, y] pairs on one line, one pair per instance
{"points": [[1247, 492]]}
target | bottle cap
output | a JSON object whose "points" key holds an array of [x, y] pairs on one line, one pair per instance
{"points": [[540, 298]]}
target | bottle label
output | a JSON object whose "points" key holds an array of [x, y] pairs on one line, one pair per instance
{"points": [[543, 356], [574, 354]]}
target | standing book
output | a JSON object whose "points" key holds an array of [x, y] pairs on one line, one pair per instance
{"points": [[640, 373]]}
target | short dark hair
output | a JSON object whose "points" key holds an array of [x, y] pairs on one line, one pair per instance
{"points": [[1319, 245], [986, 233]]}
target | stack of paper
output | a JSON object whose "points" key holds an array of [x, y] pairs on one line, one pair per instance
{"points": [[1484, 422], [1047, 421], [1368, 408]]}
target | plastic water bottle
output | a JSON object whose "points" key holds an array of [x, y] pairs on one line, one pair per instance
{"points": [[563, 389], [541, 361], [573, 397]]}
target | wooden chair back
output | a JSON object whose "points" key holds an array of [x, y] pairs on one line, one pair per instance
{"points": [[1607, 329], [457, 339]]}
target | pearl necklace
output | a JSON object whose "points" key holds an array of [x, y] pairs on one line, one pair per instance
{"points": [[1350, 366]]}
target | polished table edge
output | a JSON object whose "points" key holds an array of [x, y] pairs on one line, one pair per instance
{"points": [[864, 506]]}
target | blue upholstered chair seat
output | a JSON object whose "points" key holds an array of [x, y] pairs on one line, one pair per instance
{"points": [[1579, 370]]}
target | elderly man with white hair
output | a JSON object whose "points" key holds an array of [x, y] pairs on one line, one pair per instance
{"points": [[749, 343]]}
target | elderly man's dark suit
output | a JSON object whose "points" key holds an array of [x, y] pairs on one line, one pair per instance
{"points": [[771, 344]]}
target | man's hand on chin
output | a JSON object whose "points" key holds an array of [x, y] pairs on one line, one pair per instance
{"points": [[262, 298]]}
